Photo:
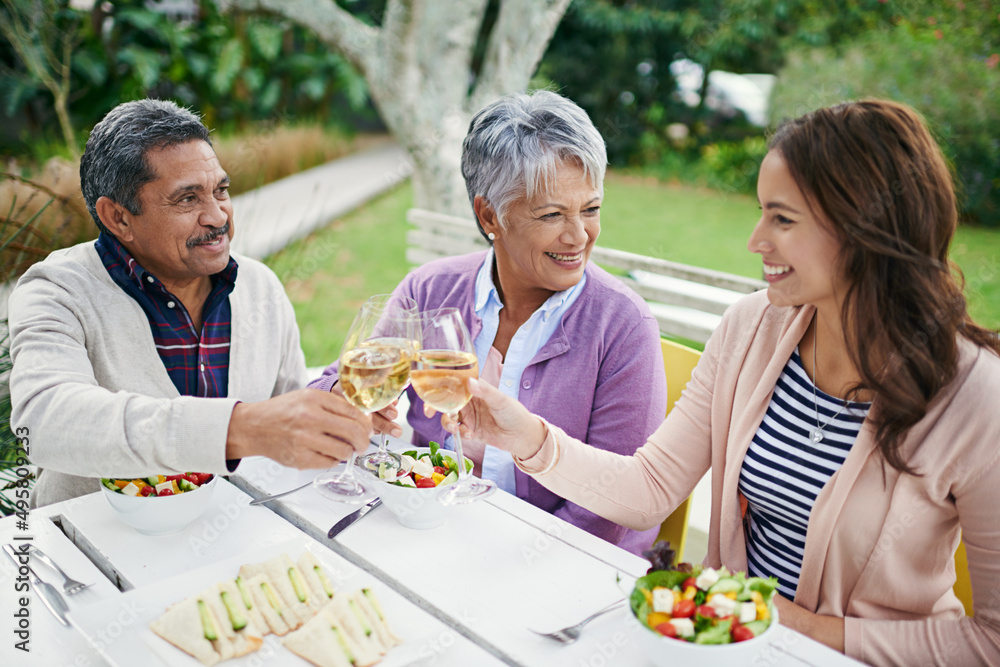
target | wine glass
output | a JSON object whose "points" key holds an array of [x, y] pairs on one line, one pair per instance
{"points": [[372, 376], [397, 326], [445, 362]]}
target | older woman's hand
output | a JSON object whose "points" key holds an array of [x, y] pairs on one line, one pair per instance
{"points": [[497, 419]]}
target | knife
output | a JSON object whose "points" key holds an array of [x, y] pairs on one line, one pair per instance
{"points": [[49, 595], [352, 517]]}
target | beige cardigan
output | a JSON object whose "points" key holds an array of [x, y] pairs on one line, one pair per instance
{"points": [[879, 553], [90, 388]]}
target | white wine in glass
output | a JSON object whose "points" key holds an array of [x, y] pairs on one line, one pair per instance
{"points": [[372, 375], [440, 376], [397, 327]]}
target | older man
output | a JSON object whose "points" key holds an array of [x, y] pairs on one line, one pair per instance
{"points": [[152, 350]]}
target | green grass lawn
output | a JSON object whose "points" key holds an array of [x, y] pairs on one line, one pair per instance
{"points": [[330, 273]]}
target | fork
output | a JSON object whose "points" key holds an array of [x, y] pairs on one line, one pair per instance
{"points": [[70, 585], [275, 496], [570, 634]]}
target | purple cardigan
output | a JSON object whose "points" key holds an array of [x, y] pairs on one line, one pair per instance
{"points": [[599, 378]]}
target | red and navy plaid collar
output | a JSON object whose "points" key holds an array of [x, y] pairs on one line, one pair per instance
{"points": [[196, 361], [122, 266]]}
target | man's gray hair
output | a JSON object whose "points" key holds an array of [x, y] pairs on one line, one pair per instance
{"points": [[514, 146], [114, 164]]}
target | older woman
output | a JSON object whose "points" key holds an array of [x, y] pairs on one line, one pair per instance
{"points": [[551, 330], [848, 414]]}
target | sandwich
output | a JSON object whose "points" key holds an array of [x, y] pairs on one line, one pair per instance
{"points": [[289, 583], [316, 579], [347, 631], [269, 603], [235, 624], [325, 642], [192, 626]]}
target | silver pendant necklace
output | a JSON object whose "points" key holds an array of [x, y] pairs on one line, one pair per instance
{"points": [[816, 435]]}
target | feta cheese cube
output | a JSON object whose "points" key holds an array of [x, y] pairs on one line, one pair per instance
{"points": [[706, 579], [663, 600], [423, 467], [684, 626], [748, 612], [130, 489], [722, 605], [163, 486]]}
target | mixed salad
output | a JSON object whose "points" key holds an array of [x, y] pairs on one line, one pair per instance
{"points": [[425, 471], [700, 604], [158, 485]]}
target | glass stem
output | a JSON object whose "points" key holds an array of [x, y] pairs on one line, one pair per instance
{"points": [[459, 457], [348, 471]]}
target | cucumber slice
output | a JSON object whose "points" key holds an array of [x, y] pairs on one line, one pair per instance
{"points": [[726, 585], [327, 586], [207, 624], [236, 615], [757, 627], [450, 478], [365, 625], [370, 594], [343, 643], [110, 485], [300, 589], [271, 599], [247, 600]]}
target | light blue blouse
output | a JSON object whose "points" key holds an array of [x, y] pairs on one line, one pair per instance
{"points": [[526, 343]]}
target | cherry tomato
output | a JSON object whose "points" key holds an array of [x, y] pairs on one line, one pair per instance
{"points": [[174, 477], [667, 629], [684, 609], [146, 490], [440, 470], [425, 483], [165, 492], [690, 581], [741, 633], [206, 477], [194, 478], [706, 611]]}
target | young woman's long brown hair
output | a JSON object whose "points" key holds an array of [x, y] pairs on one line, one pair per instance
{"points": [[878, 175]]}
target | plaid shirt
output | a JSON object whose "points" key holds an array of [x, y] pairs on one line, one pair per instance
{"points": [[198, 364]]}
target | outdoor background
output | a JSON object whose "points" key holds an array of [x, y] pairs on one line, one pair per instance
{"points": [[684, 148]]}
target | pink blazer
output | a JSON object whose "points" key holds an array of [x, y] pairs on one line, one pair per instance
{"points": [[880, 545]]}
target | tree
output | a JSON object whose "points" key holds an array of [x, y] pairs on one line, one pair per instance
{"points": [[419, 61], [43, 34]]}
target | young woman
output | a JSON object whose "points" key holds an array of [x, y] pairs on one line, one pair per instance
{"points": [[848, 414]]}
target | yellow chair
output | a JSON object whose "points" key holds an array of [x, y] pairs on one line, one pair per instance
{"points": [[678, 362], [963, 585]]}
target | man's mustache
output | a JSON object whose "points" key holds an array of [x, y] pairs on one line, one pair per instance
{"points": [[208, 238]]}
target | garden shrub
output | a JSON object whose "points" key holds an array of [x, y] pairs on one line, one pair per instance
{"points": [[956, 90]]}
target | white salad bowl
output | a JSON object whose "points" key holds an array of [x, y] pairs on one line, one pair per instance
{"points": [[412, 507], [668, 652], [152, 515]]}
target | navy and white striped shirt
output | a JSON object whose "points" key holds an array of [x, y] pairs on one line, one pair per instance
{"points": [[784, 471]]}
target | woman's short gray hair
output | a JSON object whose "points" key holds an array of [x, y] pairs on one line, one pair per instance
{"points": [[514, 145], [114, 164]]}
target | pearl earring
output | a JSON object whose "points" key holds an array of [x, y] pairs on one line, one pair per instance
{"points": [[491, 236]]}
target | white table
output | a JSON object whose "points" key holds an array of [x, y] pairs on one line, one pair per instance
{"points": [[468, 591]]}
